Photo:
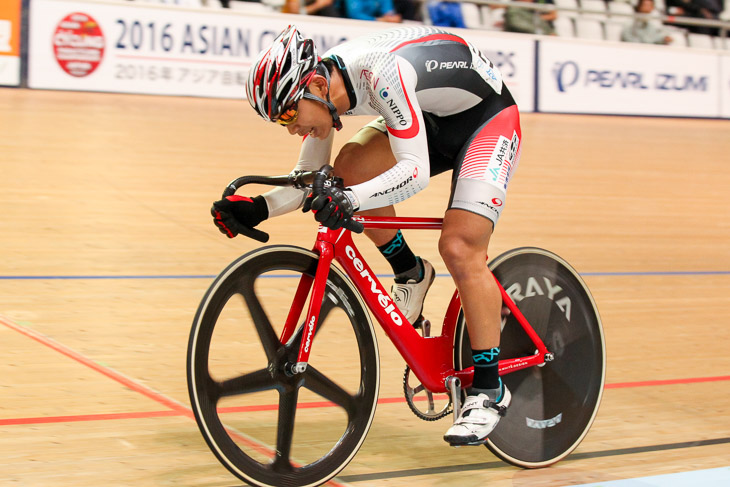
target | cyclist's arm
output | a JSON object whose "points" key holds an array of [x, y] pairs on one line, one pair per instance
{"points": [[313, 155], [393, 95]]}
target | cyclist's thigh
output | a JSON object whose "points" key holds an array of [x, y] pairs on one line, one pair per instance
{"points": [[366, 155], [486, 164]]}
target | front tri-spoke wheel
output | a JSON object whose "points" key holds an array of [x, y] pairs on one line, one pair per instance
{"points": [[268, 425]]}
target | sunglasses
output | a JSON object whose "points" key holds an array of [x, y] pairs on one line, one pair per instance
{"points": [[289, 116]]}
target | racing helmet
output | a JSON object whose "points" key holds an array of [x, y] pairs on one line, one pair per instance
{"points": [[281, 73]]}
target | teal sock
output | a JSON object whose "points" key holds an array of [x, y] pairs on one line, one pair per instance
{"points": [[486, 370]]}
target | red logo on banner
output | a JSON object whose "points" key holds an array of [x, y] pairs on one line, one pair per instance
{"points": [[78, 44]]}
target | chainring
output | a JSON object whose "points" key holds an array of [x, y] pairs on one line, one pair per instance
{"points": [[432, 401]]}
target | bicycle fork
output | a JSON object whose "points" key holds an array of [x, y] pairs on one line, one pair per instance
{"points": [[326, 255]]}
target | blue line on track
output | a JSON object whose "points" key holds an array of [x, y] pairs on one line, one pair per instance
{"points": [[273, 276], [715, 477]]}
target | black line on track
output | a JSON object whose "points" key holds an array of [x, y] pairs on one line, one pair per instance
{"points": [[497, 464]]}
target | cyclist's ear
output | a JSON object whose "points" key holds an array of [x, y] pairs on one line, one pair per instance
{"points": [[318, 86]]}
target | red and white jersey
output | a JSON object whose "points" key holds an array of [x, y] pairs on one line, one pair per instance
{"points": [[399, 74]]}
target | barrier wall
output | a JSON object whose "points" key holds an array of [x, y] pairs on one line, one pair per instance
{"points": [[154, 49], [725, 86], [10, 42], [157, 50], [616, 79]]}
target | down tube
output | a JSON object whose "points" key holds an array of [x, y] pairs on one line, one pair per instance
{"points": [[431, 359]]}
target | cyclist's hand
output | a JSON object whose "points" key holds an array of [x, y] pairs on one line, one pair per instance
{"points": [[332, 207], [234, 213]]}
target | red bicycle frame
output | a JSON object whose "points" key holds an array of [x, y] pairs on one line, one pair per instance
{"points": [[430, 358]]}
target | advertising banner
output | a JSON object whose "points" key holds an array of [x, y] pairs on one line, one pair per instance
{"points": [[10, 42], [595, 78], [725, 85], [153, 49], [118, 47]]}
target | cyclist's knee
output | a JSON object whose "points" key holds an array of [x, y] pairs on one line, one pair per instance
{"points": [[364, 157], [346, 166], [461, 256]]}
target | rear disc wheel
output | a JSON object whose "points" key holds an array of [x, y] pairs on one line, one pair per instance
{"points": [[553, 405]]}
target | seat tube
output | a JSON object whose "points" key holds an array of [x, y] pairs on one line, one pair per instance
{"points": [[326, 255], [507, 300]]}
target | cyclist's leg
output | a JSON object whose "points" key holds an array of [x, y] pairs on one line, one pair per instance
{"points": [[371, 145], [365, 156], [463, 245], [480, 182]]}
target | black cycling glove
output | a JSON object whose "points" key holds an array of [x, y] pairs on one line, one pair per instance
{"points": [[234, 213], [333, 207]]}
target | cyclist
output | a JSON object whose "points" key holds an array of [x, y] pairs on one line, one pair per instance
{"points": [[442, 106]]}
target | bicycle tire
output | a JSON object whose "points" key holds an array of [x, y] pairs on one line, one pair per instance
{"points": [[553, 405], [243, 449]]}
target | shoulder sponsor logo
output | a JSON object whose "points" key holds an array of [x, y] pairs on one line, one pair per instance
{"points": [[367, 74], [568, 74], [433, 65], [482, 64], [400, 119]]}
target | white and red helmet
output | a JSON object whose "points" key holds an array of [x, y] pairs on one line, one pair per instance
{"points": [[281, 73]]}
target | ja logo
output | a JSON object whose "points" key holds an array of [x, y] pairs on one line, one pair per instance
{"points": [[566, 74]]}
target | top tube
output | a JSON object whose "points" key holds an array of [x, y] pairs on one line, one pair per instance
{"points": [[412, 223]]}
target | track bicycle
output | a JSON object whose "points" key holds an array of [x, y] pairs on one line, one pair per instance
{"points": [[285, 397]]}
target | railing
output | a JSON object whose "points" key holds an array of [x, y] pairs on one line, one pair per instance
{"points": [[722, 26]]}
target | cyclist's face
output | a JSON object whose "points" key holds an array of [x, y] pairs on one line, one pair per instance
{"points": [[313, 117]]}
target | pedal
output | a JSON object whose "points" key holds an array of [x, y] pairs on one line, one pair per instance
{"points": [[473, 443], [424, 325], [453, 386]]}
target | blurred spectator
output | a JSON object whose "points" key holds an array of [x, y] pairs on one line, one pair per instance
{"points": [[323, 8], [445, 14], [528, 21], [382, 10], [641, 30], [701, 9], [227, 3], [408, 9]]}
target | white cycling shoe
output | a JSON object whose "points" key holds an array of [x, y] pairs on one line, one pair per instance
{"points": [[409, 297], [478, 418]]}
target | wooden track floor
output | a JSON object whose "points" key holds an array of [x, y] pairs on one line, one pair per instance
{"points": [[107, 247]]}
